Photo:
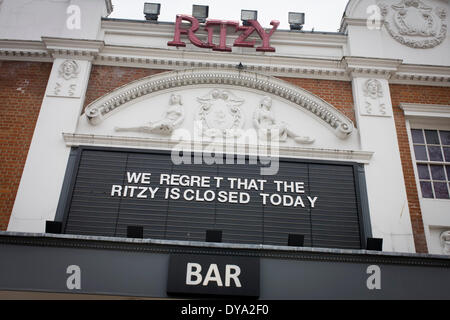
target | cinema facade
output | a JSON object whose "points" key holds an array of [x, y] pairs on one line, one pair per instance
{"points": [[187, 159]]}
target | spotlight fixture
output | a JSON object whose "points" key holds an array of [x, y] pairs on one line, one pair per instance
{"points": [[151, 11], [135, 232], [213, 236], [296, 20], [296, 240], [200, 12], [248, 15], [53, 227], [375, 244]]}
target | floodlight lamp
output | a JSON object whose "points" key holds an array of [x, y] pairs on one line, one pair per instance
{"points": [[248, 15], [296, 20], [151, 10], [200, 12]]}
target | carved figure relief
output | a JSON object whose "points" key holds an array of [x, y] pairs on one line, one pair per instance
{"points": [[172, 118], [68, 69], [445, 242], [101, 109], [220, 114], [63, 86], [270, 129], [414, 24], [373, 99]]}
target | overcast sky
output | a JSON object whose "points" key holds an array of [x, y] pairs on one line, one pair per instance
{"points": [[322, 15]]}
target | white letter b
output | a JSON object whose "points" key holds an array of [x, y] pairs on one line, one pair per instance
{"points": [[191, 273]]}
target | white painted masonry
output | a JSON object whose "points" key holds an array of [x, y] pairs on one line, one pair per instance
{"points": [[388, 203], [355, 54], [43, 174]]}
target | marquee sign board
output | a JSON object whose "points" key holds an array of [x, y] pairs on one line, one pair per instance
{"points": [[112, 189]]}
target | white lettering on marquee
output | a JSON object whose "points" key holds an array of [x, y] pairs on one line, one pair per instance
{"points": [[199, 188]]}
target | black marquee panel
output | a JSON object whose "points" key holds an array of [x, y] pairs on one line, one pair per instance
{"points": [[333, 222]]}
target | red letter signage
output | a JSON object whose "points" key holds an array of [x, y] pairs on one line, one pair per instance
{"points": [[265, 37], [190, 32], [241, 41], [223, 33]]}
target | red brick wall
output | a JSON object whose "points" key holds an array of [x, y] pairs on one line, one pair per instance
{"points": [[22, 88], [104, 79], [413, 94], [337, 93]]}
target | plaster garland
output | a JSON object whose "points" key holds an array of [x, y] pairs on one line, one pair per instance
{"points": [[101, 108]]}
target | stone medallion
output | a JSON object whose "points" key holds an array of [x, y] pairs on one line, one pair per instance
{"points": [[220, 114], [414, 23]]}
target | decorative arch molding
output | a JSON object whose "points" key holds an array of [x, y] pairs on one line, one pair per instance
{"points": [[103, 107], [350, 8]]}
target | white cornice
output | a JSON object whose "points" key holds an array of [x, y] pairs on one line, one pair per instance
{"points": [[425, 110], [182, 59], [74, 139], [24, 50], [422, 75], [371, 67], [274, 65], [346, 21], [74, 48]]}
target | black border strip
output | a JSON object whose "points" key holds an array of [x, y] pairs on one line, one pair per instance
{"points": [[184, 247]]}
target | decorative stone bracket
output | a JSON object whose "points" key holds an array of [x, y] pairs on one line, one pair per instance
{"points": [[101, 108]]}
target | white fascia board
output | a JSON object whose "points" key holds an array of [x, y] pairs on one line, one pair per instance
{"points": [[91, 47], [372, 63], [75, 139], [289, 66], [177, 59], [425, 110]]}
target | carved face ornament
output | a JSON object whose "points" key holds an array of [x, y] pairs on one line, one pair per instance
{"points": [[68, 69], [373, 89]]}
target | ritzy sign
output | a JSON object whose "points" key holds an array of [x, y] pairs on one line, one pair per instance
{"points": [[222, 26]]}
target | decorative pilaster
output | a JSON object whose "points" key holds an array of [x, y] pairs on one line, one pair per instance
{"points": [[388, 203], [40, 186]]}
